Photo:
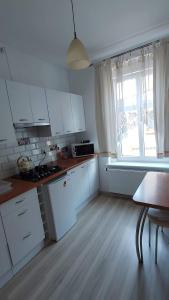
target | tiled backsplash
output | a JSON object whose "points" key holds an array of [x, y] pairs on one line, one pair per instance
{"points": [[9, 153]]}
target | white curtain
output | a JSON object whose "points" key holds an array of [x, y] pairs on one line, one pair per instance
{"points": [[105, 108], [161, 97]]}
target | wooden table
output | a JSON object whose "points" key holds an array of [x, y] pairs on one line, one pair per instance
{"points": [[152, 192]]}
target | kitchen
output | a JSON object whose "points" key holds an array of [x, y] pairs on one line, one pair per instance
{"points": [[62, 113], [77, 138]]}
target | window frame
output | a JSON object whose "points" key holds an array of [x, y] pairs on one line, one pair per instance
{"points": [[141, 156]]}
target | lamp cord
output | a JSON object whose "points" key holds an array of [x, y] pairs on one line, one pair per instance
{"points": [[73, 19]]}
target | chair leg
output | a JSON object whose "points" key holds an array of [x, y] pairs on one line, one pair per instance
{"points": [[156, 244], [149, 230]]}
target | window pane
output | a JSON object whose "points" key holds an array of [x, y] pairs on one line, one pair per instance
{"points": [[130, 137], [128, 118]]}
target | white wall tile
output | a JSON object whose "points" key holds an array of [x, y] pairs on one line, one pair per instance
{"points": [[10, 153]]}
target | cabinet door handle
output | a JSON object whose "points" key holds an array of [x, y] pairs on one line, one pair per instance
{"points": [[3, 140], [27, 236], [64, 184], [22, 213], [22, 120], [19, 201], [41, 119], [82, 167]]}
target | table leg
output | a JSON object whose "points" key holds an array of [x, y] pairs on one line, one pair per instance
{"points": [[141, 233], [138, 236]]}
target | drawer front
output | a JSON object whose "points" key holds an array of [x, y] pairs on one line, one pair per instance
{"points": [[24, 230], [19, 203]]}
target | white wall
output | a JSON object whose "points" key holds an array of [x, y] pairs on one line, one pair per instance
{"points": [[29, 69], [83, 82]]}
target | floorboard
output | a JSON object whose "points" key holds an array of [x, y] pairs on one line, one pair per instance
{"points": [[96, 260]]}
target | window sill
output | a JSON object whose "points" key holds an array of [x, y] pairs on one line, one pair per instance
{"points": [[146, 166]]}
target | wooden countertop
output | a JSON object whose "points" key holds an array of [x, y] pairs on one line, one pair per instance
{"points": [[21, 186], [153, 191]]}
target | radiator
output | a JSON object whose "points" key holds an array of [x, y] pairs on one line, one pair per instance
{"points": [[123, 181]]}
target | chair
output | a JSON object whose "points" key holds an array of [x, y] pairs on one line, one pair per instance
{"points": [[161, 219]]}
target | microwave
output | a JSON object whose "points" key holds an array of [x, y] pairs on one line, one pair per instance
{"points": [[82, 149]]}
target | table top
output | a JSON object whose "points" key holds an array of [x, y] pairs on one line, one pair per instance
{"points": [[153, 191]]}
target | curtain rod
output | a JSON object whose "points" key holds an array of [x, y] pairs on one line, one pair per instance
{"points": [[127, 51]]}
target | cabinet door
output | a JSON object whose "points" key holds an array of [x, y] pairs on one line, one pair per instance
{"points": [[54, 99], [80, 184], [67, 114], [76, 175], [38, 104], [19, 97], [7, 132], [5, 263], [93, 176], [78, 113], [62, 204], [84, 183]]}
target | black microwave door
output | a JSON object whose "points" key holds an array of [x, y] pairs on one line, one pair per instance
{"points": [[84, 149]]}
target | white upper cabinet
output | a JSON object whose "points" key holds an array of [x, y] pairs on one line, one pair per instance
{"points": [[7, 133], [19, 97], [60, 112], [31, 104], [38, 104], [78, 112], [5, 263], [67, 113], [54, 99]]}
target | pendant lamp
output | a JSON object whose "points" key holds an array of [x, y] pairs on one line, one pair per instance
{"points": [[77, 57]]}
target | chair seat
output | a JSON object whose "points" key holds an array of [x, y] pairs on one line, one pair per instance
{"points": [[159, 216]]}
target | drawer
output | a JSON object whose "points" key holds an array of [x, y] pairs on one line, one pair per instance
{"points": [[24, 230], [19, 203]]}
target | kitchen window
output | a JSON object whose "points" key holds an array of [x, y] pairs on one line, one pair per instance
{"points": [[133, 94]]}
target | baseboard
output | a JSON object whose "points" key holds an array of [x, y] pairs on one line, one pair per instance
{"points": [[129, 197]]}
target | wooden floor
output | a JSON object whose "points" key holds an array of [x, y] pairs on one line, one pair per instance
{"points": [[96, 260]]}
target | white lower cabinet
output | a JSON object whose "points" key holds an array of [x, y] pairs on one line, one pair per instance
{"points": [[93, 176], [5, 262], [85, 181], [22, 224]]}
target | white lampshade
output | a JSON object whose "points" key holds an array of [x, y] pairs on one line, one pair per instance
{"points": [[77, 57]]}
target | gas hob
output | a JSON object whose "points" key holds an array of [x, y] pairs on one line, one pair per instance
{"points": [[38, 173]]}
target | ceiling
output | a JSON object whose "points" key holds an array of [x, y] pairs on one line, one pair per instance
{"points": [[43, 28]]}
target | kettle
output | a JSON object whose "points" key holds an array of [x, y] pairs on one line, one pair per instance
{"points": [[24, 164]]}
